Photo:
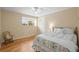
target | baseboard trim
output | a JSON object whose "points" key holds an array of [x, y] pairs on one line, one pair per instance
{"points": [[22, 37]]}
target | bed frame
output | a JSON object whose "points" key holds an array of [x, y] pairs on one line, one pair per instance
{"points": [[76, 33]]}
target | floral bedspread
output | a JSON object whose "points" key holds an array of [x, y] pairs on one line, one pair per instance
{"points": [[43, 45]]}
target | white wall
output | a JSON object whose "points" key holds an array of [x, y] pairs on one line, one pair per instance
{"points": [[65, 18], [0, 24], [11, 21], [41, 24]]}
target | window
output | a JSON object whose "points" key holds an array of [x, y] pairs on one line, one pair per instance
{"points": [[28, 21]]}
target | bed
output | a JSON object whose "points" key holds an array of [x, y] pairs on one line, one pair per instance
{"points": [[61, 40]]}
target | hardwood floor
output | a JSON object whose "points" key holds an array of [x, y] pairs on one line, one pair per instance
{"points": [[20, 45]]}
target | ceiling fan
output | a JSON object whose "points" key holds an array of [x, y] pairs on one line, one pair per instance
{"points": [[36, 9]]}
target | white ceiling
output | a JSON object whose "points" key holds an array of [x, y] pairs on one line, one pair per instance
{"points": [[43, 10]]}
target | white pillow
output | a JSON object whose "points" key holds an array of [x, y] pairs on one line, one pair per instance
{"points": [[68, 31], [58, 31]]}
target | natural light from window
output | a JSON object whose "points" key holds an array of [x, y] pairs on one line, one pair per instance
{"points": [[28, 21]]}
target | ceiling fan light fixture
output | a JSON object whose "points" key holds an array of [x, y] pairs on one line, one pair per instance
{"points": [[36, 9]]}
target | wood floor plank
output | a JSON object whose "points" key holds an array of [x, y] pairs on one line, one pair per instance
{"points": [[19, 45]]}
